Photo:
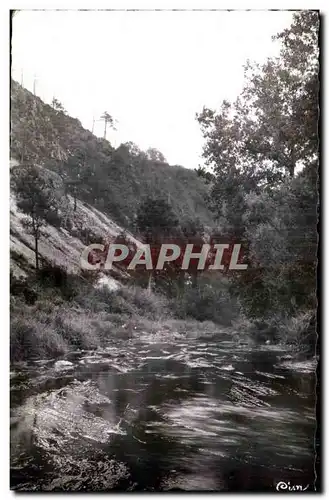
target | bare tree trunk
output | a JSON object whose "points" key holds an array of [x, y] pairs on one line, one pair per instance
{"points": [[149, 285], [180, 283], [36, 250], [291, 167], [292, 170], [105, 126]]}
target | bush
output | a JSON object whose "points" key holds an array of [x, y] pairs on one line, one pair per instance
{"points": [[299, 332], [86, 235], [151, 305], [102, 299], [45, 330], [53, 276], [76, 330], [30, 338], [20, 287], [266, 329], [128, 301], [206, 303]]}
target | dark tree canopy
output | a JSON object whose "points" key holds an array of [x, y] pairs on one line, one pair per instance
{"points": [[263, 153]]}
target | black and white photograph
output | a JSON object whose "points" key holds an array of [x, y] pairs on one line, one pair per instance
{"points": [[164, 206]]}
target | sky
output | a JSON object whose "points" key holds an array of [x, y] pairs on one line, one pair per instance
{"points": [[152, 71]]}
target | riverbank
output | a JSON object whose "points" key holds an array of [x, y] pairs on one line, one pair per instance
{"points": [[53, 312], [51, 328]]}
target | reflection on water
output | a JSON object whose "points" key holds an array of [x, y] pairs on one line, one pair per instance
{"points": [[148, 414]]}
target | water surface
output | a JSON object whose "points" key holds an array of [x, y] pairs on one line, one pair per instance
{"points": [[165, 412]]}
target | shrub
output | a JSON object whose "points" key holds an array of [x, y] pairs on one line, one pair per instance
{"points": [[128, 301], [45, 331], [206, 303], [147, 304], [31, 338], [54, 276], [20, 287], [298, 331]]}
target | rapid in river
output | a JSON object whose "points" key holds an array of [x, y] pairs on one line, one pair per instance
{"points": [[166, 412]]}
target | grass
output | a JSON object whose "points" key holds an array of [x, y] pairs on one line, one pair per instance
{"points": [[128, 301], [49, 329], [55, 321], [55, 312], [44, 330]]}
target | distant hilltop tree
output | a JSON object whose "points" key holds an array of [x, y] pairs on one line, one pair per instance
{"points": [[108, 119], [132, 148], [154, 154], [58, 106]]}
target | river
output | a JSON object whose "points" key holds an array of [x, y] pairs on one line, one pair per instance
{"points": [[166, 412]]}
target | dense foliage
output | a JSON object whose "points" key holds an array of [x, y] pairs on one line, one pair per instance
{"points": [[262, 151]]}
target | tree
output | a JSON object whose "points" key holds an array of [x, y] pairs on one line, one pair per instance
{"points": [[75, 164], [263, 150], [256, 142], [154, 154], [156, 222], [58, 106], [261, 133], [130, 153], [155, 219], [204, 174], [108, 119], [39, 196], [132, 148]]}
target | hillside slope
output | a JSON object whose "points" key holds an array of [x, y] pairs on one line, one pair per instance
{"points": [[112, 180], [59, 246]]}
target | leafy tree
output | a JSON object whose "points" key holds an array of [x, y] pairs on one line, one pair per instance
{"points": [[130, 153], [263, 150], [39, 195], [271, 128], [156, 222], [261, 133], [133, 149], [155, 219], [154, 154]]}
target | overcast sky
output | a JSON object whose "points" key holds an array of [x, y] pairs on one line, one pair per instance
{"points": [[151, 70]]}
